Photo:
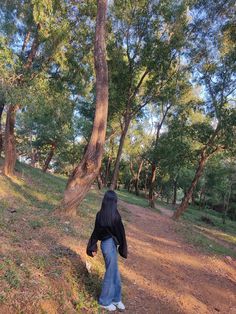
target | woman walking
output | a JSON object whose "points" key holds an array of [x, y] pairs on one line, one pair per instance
{"points": [[110, 231]]}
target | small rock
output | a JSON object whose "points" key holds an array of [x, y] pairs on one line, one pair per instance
{"points": [[11, 210]]}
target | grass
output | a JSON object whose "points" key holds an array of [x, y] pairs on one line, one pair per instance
{"points": [[53, 269], [194, 215], [132, 198], [208, 238], [201, 240], [217, 238], [27, 225]]}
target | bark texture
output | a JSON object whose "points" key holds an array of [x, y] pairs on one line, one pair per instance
{"points": [[10, 145], [86, 172]]}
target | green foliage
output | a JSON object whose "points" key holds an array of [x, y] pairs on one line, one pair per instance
{"points": [[168, 74]]}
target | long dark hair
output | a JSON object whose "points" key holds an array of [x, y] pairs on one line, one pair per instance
{"points": [[108, 214]]}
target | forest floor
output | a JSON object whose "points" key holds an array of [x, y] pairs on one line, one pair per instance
{"points": [[44, 268]]}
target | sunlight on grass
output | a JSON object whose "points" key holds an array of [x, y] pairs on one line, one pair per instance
{"points": [[199, 239], [132, 198], [218, 234]]}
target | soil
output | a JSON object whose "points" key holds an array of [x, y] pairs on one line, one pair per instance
{"points": [[164, 274]]}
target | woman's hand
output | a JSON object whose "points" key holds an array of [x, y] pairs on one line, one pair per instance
{"points": [[94, 253]]}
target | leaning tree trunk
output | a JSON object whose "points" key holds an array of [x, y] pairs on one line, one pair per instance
{"points": [[136, 181], [174, 193], [49, 157], [119, 153], [2, 104], [107, 171], [151, 186], [86, 172], [10, 145], [145, 186], [185, 202]]}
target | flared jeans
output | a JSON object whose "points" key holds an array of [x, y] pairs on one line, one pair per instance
{"points": [[111, 286]]}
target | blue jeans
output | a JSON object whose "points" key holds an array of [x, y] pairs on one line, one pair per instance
{"points": [[111, 286]]}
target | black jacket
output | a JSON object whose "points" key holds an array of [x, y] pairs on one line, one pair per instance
{"points": [[117, 232]]}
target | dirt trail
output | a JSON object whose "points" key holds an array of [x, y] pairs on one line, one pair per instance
{"points": [[163, 274]]}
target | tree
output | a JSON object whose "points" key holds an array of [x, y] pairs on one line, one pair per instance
{"points": [[148, 41], [214, 69], [136, 143], [2, 105], [37, 39], [88, 169], [36, 128]]}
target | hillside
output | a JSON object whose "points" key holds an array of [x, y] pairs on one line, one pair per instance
{"points": [[44, 268]]}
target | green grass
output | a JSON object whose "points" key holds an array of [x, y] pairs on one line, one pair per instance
{"points": [[218, 238], [201, 241], [194, 215], [34, 195], [132, 198]]}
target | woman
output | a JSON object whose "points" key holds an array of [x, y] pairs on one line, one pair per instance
{"points": [[110, 230]]}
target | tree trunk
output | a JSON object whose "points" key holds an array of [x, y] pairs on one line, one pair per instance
{"points": [[107, 172], [151, 186], [145, 186], [118, 157], [86, 172], [2, 104], [49, 157], [33, 157], [99, 181], [174, 193], [133, 176], [185, 202], [136, 182], [226, 202], [202, 198], [10, 145]]}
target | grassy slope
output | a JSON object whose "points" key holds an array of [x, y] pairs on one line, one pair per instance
{"points": [[42, 256], [217, 238]]}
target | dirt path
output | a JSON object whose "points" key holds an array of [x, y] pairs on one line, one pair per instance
{"points": [[163, 274], [164, 210]]}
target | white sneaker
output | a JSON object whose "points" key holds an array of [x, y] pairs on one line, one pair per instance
{"points": [[110, 307], [119, 305]]}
